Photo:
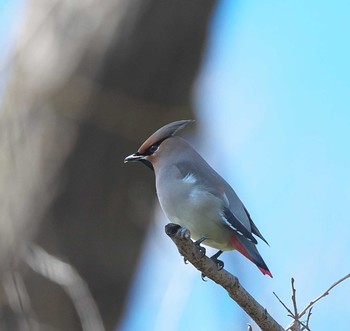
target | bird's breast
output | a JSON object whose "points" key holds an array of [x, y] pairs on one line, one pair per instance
{"points": [[188, 203]]}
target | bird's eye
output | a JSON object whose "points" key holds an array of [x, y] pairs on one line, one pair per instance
{"points": [[153, 149]]}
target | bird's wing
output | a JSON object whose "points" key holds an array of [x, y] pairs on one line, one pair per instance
{"points": [[255, 230], [235, 215], [236, 225], [233, 212]]}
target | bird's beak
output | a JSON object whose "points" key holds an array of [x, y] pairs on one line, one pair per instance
{"points": [[134, 157]]}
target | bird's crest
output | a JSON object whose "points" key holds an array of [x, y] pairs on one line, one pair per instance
{"points": [[163, 133]]}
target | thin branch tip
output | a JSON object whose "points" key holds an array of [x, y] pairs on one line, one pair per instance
{"points": [[297, 324]]}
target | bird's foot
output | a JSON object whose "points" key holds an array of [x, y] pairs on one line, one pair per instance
{"points": [[184, 232], [220, 264], [202, 250]]}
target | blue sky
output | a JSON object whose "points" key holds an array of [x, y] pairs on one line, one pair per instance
{"points": [[275, 93], [10, 13], [273, 99]]}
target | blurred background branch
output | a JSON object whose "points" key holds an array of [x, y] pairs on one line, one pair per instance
{"points": [[88, 80], [66, 276]]}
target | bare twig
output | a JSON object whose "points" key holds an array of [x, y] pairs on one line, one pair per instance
{"points": [[66, 276], [284, 305], [186, 247], [308, 320], [295, 325], [18, 300], [311, 303], [294, 298]]}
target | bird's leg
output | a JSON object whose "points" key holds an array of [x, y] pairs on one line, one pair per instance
{"points": [[198, 244], [219, 263], [202, 250]]}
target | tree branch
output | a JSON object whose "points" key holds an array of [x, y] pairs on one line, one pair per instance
{"points": [[66, 276], [294, 298], [297, 325], [311, 303], [186, 247]]}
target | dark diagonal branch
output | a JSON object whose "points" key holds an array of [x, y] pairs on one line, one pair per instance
{"points": [[186, 247]]}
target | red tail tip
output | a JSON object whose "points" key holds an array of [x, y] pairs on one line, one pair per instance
{"points": [[266, 272]]}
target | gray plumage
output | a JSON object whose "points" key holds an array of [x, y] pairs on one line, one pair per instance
{"points": [[192, 194]]}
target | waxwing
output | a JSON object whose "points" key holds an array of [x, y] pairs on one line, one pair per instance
{"points": [[193, 195]]}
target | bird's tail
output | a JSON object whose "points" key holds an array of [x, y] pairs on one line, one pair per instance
{"points": [[249, 250]]}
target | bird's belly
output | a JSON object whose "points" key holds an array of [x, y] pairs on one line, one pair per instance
{"points": [[200, 213]]}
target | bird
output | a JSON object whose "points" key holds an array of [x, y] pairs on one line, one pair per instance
{"points": [[193, 195]]}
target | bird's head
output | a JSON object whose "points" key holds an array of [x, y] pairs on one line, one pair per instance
{"points": [[149, 149]]}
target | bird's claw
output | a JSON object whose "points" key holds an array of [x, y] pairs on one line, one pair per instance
{"points": [[220, 264], [184, 233], [201, 249], [185, 260]]}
